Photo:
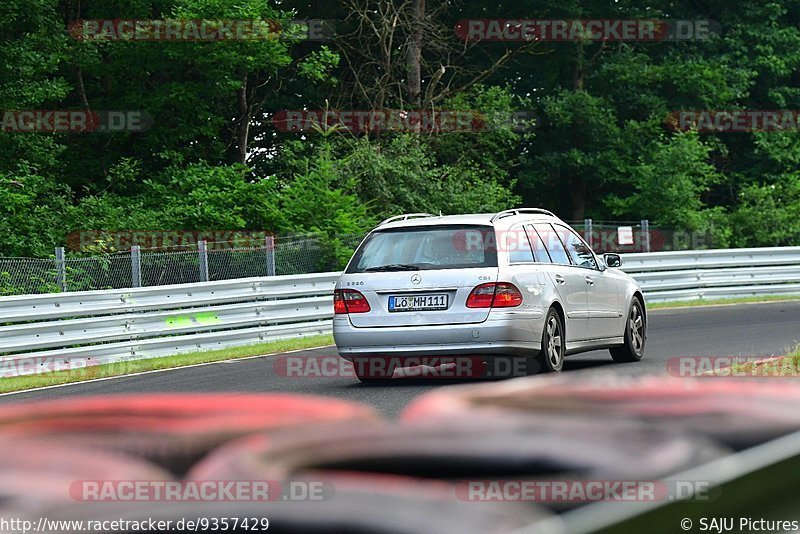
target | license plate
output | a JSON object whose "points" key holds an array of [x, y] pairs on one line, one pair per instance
{"points": [[398, 303]]}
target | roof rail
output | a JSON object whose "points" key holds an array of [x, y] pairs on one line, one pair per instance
{"points": [[405, 217], [519, 211]]}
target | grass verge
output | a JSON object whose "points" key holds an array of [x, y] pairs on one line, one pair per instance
{"points": [[717, 302], [33, 381], [781, 366]]}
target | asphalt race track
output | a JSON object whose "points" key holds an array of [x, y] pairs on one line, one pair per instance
{"points": [[738, 330]]}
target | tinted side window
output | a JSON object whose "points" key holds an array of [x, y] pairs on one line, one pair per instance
{"points": [[580, 253], [539, 250], [519, 249], [552, 243]]}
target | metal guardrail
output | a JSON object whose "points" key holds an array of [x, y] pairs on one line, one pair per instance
{"points": [[715, 274], [74, 330], [77, 329]]}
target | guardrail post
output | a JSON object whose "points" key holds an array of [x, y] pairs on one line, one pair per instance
{"points": [[61, 271], [646, 234], [202, 252], [136, 266], [587, 232], [270, 244]]}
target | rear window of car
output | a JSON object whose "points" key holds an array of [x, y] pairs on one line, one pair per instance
{"points": [[426, 248]]}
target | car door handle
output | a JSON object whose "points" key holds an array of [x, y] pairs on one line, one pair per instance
{"points": [[560, 279], [589, 280]]}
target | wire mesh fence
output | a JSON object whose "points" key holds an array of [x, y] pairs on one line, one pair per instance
{"points": [[110, 271], [20, 276], [639, 236], [173, 267], [282, 255], [176, 265]]}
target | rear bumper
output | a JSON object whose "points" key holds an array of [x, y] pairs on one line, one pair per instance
{"points": [[503, 333]]}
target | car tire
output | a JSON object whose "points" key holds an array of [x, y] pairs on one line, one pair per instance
{"points": [[551, 356], [635, 335]]}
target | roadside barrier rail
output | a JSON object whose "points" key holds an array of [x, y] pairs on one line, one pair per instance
{"points": [[39, 333]]}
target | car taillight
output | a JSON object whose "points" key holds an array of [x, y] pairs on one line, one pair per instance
{"points": [[494, 295], [506, 296], [338, 302], [481, 296], [349, 301]]}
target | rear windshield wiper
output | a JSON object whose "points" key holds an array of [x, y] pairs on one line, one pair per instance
{"points": [[392, 267]]}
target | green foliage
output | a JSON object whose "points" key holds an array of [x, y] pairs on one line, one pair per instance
{"points": [[577, 147], [600, 147], [668, 181], [402, 175], [32, 49], [32, 208], [769, 215], [318, 65], [197, 197], [35, 283], [322, 200], [494, 148]]}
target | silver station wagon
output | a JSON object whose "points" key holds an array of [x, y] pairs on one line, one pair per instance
{"points": [[519, 283]]}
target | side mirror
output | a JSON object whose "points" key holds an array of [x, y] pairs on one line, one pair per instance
{"points": [[612, 260]]}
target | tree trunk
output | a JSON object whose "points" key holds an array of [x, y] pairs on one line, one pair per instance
{"points": [[577, 191], [415, 56], [81, 89], [580, 67], [243, 127], [578, 182]]}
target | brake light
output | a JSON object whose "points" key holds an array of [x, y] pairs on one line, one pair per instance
{"points": [[338, 302], [349, 301], [481, 296], [506, 296], [494, 295]]}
